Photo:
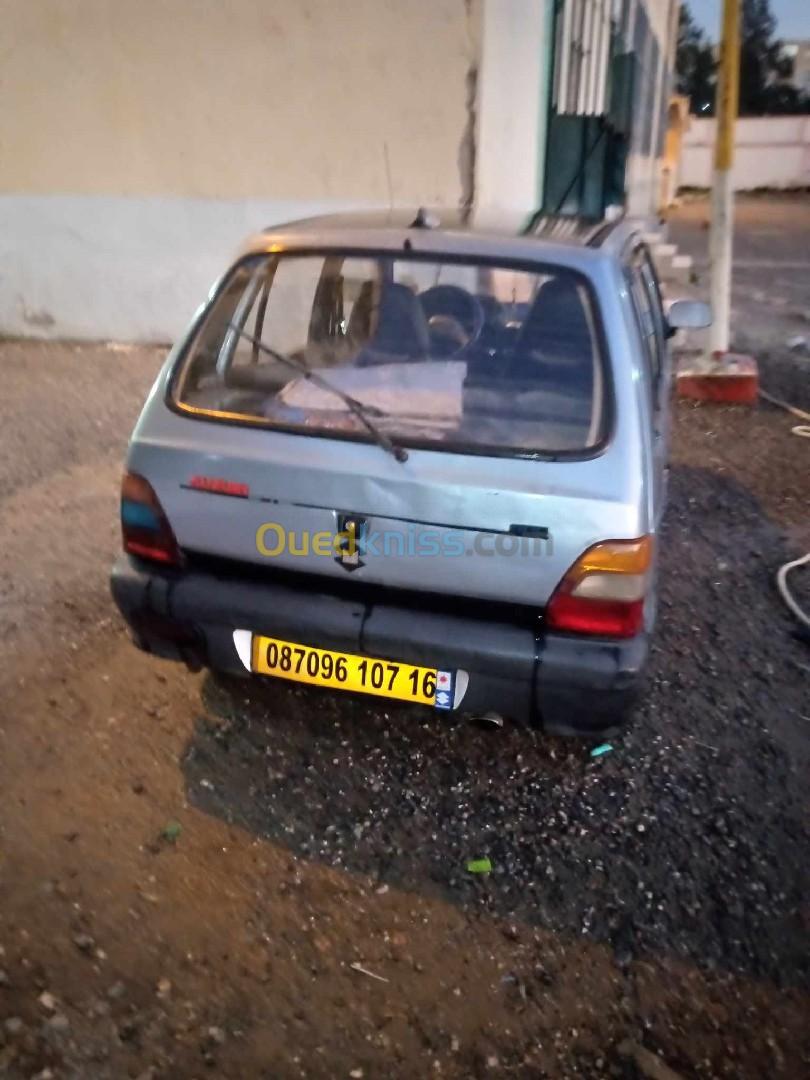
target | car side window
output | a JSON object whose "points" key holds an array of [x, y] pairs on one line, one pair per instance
{"points": [[650, 314], [297, 303], [280, 315], [650, 281]]}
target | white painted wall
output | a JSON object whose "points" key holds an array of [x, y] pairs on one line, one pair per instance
{"points": [[142, 141], [512, 103], [771, 152], [121, 268]]}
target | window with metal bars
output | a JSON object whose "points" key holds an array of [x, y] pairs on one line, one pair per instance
{"points": [[582, 49]]}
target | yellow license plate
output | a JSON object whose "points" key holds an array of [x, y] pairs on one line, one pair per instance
{"points": [[345, 671]]}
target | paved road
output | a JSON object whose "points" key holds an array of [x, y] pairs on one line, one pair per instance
{"points": [[771, 289], [769, 232]]}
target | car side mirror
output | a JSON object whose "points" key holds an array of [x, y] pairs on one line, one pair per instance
{"points": [[689, 315]]}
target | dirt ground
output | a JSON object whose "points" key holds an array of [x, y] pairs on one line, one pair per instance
{"points": [[190, 868]]}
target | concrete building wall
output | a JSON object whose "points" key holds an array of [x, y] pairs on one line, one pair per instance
{"points": [[659, 13], [655, 57], [512, 103], [771, 152], [140, 142]]}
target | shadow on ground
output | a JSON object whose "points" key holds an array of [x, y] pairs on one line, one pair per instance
{"points": [[688, 837]]}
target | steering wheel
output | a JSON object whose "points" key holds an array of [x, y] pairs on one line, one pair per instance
{"points": [[455, 318]]}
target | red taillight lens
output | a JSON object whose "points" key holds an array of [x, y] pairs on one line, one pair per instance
{"points": [[603, 592], [145, 529]]}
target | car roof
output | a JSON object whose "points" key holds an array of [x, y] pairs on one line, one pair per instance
{"points": [[508, 233]]}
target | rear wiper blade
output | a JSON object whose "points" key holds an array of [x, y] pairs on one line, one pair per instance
{"points": [[358, 408]]}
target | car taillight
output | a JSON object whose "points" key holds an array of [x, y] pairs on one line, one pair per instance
{"points": [[603, 592], [145, 529]]}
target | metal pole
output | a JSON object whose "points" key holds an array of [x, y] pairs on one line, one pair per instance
{"points": [[720, 251]]}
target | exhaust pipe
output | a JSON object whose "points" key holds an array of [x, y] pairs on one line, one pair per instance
{"points": [[491, 720]]}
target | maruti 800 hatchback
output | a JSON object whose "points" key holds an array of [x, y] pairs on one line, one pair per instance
{"points": [[414, 458]]}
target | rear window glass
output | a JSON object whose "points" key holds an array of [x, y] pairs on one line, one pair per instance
{"points": [[441, 353]]}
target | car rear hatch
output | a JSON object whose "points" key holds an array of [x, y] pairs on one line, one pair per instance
{"points": [[495, 377], [490, 528]]}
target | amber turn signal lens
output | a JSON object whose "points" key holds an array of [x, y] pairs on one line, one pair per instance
{"points": [[603, 593]]}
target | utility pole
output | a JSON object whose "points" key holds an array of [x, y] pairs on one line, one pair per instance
{"points": [[723, 376], [722, 229]]}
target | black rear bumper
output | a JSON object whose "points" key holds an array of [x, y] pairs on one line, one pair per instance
{"points": [[566, 685]]}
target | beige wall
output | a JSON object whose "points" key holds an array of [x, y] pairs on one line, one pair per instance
{"points": [[141, 140], [282, 99]]}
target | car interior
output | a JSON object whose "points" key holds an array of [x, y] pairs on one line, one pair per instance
{"points": [[530, 360]]}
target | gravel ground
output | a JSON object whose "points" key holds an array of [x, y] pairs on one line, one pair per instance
{"points": [[190, 866]]}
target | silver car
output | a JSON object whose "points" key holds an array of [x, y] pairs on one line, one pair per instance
{"points": [[416, 457]]}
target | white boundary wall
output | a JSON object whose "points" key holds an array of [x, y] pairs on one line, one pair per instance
{"points": [[770, 152]]}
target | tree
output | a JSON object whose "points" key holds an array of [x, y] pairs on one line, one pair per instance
{"points": [[763, 65], [695, 65]]}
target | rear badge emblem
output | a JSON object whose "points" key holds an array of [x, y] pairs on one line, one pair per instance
{"points": [[351, 541]]}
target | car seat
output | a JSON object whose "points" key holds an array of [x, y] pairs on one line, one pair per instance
{"points": [[400, 329], [555, 346]]}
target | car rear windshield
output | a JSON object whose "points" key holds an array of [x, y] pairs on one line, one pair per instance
{"points": [[449, 354]]}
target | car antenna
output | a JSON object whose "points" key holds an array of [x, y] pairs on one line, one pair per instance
{"points": [[388, 180], [424, 220]]}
